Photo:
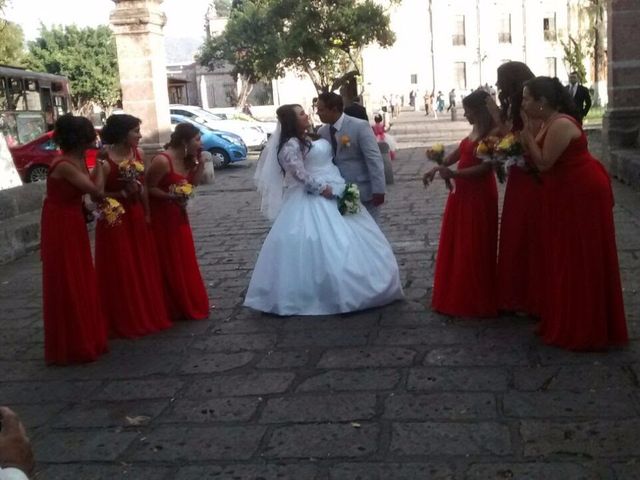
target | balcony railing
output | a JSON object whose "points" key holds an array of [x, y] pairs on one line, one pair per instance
{"points": [[504, 37]]}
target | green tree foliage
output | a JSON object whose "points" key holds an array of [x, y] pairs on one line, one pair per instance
{"points": [[322, 38], [87, 56], [574, 56], [11, 43], [223, 7]]}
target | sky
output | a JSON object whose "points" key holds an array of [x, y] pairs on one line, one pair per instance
{"points": [[185, 18]]}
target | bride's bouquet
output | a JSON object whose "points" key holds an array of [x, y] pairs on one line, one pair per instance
{"points": [[349, 202]]}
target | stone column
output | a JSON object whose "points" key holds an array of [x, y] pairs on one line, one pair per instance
{"points": [[137, 25], [621, 122]]}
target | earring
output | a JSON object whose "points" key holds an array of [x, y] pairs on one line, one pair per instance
{"points": [[540, 108]]}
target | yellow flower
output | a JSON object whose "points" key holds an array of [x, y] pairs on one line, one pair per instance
{"points": [[507, 141], [437, 148], [345, 141], [111, 211], [185, 189]]}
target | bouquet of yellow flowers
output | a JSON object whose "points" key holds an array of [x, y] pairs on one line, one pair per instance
{"points": [[110, 210], [349, 202], [185, 190], [435, 153], [131, 170], [488, 150], [510, 151]]}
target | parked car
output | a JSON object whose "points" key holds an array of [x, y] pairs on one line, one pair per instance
{"points": [[233, 114], [253, 136], [225, 147], [33, 159]]}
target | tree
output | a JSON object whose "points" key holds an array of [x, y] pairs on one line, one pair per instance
{"points": [[87, 56], [322, 38], [574, 56], [250, 47], [11, 43], [223, 7]]}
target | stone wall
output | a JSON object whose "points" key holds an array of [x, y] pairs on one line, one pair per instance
{"points": [[20, 209]]}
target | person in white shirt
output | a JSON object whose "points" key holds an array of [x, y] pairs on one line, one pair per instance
{"points": [[16, 455]]}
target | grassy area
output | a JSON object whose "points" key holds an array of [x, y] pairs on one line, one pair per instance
{"points": [[595, 115]]}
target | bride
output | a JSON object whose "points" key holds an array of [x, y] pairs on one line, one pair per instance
{"points": [[314, 261]]}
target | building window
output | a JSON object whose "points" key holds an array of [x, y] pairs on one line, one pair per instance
{"points": [[549, 26], [458, 31], [460, 75], [552, 67], [504, 28], [414, 79]]}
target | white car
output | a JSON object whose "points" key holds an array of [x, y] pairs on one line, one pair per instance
{"points": [[253, 136], [231, 113]]}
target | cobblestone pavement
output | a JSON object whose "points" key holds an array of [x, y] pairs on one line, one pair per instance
{"points": [[392, 393]]}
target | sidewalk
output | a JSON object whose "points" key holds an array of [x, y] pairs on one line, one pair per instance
{"points": [[392, 393]]}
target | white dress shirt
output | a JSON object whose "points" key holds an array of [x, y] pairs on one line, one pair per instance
{"points": [[12, 474]]}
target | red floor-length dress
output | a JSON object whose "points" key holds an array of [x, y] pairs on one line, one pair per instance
{"points": [[519, 255], [75, 329], [465, 277], [129, 278], [582, 305], [186, 293]]}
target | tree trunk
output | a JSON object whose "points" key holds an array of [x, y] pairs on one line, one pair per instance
{"points": [[246, 87]]}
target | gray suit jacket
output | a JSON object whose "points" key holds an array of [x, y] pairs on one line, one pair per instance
{"points": [[358, 156]]}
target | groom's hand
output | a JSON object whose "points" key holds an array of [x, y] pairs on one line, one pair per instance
{"points": [[377, 199]]}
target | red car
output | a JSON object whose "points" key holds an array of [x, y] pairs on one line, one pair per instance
{"points": [[33, 159]]}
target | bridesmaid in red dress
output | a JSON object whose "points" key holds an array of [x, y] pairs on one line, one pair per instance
{"points": [[129, 278], [518, 257], [465, 277], [75, 330], [187, 295], [582, 307]]}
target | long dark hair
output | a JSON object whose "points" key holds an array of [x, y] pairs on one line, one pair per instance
{"points": [[183, 134], [511, 79], [556, 95], [118, 127], [288, 119], [477, 103]]}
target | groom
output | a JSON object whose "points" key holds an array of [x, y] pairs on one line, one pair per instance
{"points": [[355, 150]]}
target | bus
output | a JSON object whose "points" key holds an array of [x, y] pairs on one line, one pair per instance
{"points": [[30, 103]]}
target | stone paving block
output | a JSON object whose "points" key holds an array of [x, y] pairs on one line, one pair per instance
{"points": [[357, 321], [77, 471], [115, 366], [83, 446], [629, 470], [574, 378], [248, 471], [367, 357], [284, 359], [447, 335], [211, 410], [457, 378], [240, 385], [90, 414], [323, 441], [45, 392], [139, 389], [173, 443], [238, 325], [441, 406], [421, 318], [236, 343], [440, 438], [555, 356], [323, 338], [530, 471], [598, 438], [351, 380], [614, 404], [215, 362], [34, 416], [391, 471], [477, 354], [319, 408]]}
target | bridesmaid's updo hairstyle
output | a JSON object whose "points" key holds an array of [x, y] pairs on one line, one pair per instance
{"points": [[118, 127], [556, 95], [511, 78], [181, 136], [477, 103], [288, 118], [73, 133]]}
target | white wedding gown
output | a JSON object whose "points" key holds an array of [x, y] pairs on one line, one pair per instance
{"points": [[315, 261]]}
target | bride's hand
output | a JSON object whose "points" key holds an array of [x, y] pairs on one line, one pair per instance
{"points": [[327, 192]]}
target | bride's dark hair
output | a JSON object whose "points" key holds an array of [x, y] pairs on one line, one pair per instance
{"points": [[288, 118]]}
